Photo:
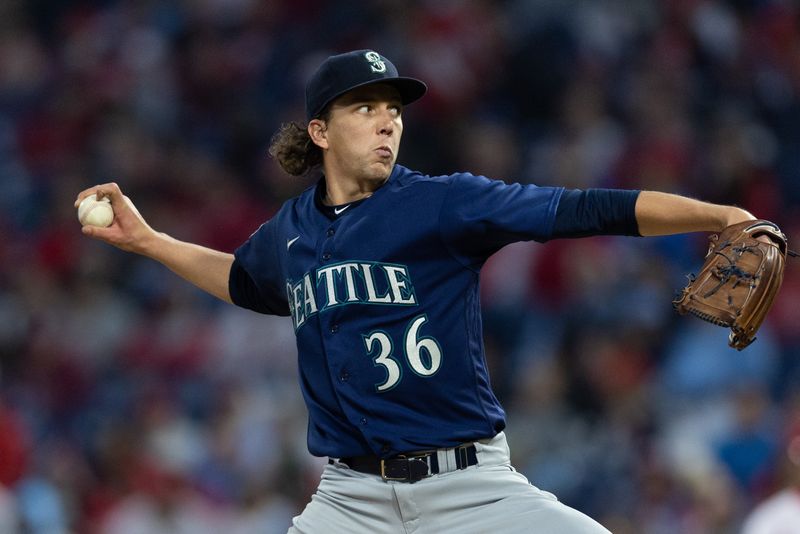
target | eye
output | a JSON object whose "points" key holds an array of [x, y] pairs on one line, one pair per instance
{"points": [[364, 108], [396, 110]]}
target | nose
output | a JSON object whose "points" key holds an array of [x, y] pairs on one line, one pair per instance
{"points": [[386, 123], [386, 127]]}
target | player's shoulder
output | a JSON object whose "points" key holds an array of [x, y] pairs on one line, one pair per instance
{"points": [[289, 211], [299, 203], [404, 177]]}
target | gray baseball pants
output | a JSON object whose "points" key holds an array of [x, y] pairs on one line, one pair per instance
{"points": [[486, 498]]}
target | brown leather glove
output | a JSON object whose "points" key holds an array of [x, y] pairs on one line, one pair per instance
{"points": [[738, 281]]}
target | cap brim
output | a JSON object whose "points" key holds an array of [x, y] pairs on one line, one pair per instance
{"points": [[410, 89]]}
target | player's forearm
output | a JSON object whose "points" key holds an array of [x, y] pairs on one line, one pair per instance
{"points": [[664, 213], [206, 268]]}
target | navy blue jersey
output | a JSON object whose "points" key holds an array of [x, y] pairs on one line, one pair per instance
{"points": [[384, 303]]}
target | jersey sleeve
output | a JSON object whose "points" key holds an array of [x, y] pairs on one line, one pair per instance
{"points": [[583, 213], [479, 216], [255, 281]]}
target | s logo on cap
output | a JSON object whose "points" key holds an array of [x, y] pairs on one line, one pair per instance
{"points": [[344, 72], [375, 61]]}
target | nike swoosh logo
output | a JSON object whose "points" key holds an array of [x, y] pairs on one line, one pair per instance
{"points": [[337, 211], [290, 242]]}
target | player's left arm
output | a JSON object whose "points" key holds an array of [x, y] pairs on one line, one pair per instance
{"points": [[665, 213]]}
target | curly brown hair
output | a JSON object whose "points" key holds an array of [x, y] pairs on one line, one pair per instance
{"points": [[293, 148]]}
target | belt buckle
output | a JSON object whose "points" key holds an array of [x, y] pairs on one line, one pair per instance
{"points": [[412, 469], [384, 476]]}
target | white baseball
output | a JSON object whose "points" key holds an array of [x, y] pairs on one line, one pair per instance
{"points": [[95, 212]]}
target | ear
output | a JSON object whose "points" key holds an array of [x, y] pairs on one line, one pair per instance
{"points": [[318, 132]]}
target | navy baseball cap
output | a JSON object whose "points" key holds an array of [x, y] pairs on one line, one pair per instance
{"points": [[344, 72]]}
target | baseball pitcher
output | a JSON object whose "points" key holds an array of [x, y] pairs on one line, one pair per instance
{"points": [[377, 267]]}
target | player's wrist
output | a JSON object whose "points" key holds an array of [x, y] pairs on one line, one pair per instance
{"points": [[734, 215], [154, 245]]}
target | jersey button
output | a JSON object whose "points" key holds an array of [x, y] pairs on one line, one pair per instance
{"points": [[363, 421], [334, 328], [326, 256], [343, 376], [330, 232]]}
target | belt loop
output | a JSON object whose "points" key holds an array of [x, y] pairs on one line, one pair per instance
{"points": [[445, 460]]}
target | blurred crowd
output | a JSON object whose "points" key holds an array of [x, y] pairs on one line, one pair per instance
{"points": [[132, 403]]}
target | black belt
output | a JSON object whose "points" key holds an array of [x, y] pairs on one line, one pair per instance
{"points": [[411, 467]]}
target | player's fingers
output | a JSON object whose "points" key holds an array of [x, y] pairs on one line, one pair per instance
{"points": [[108, 234], [110, 190], [90, 230], [85, 193]]}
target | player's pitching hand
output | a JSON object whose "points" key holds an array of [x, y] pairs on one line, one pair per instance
{"points": [[128, 231]]}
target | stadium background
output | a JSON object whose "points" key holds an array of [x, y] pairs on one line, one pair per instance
{"points": [[130, 402]]}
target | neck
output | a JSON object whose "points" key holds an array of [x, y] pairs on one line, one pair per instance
{"points": [[344, 190]]}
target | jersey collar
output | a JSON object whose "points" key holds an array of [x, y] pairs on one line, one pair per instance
{"points": [[334, 212]]}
